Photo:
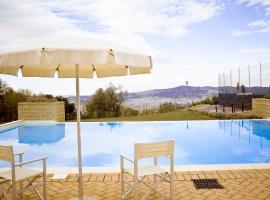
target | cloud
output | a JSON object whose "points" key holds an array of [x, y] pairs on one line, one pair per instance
{"points": [[265, 4], [263, 51], [20, 20], [260, 26], [258, 54], [239, 33], [168, 17], [121, 21]]}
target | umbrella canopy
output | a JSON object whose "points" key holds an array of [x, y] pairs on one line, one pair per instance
{"points": [[74, 58], [43, 59]]}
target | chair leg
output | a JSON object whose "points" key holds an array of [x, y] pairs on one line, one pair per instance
{"points": [[155, 181], [13, 191], [122, 178], [136, 183], [21, 187], [44, 186], [155, 176], [171, 187], [30, 183], [122, 185], [4, 193]]}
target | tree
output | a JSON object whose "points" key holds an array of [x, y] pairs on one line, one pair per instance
{"points": [[214, 100], [11, 100], [105, 103], [3, 89], [95, 108], [70, 109]]}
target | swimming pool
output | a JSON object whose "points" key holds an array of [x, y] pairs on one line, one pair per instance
{"points": [[197, 142]]}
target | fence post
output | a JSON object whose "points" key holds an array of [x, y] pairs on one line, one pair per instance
{"points": [[220, 84], [224, 82], [239, 76], [249, 78], [260, 74], [231, 77]]}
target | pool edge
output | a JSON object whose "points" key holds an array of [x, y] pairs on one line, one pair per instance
{"points": [[11, 125], [178, 168]]}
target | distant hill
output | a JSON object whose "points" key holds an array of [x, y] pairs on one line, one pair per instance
{"points": [[181, 95], [151, 98], [177, 92]]}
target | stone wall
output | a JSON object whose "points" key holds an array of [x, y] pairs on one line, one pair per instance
{"points": [[41, 111], [261, 107]]}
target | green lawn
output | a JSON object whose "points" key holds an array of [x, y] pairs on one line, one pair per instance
{"points": [[170, 116]]}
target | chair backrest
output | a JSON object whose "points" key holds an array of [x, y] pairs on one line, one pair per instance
{"points": [[156, 149], [6, 153]]}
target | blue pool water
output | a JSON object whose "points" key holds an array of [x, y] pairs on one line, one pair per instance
{"points": [[197, 142]]}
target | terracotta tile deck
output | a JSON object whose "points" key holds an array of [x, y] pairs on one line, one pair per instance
{"points": [[238, 184]]}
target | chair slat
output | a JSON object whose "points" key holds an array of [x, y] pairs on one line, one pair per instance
{"points": [[147, 150], [6, 153]]}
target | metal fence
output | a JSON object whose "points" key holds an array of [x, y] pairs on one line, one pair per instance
{"points": [[251, 79]]}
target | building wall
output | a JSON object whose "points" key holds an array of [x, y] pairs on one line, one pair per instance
{"points": [[261, 107], [41, 111]]}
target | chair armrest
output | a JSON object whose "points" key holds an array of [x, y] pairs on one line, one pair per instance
{"points": [[20, 153], [31, 161], [126, 158]]}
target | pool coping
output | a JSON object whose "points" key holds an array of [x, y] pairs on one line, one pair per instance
{"points": [[22, 122], [177, 168], [11, 125]]}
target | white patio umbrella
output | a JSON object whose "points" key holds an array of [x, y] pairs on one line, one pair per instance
{"points": [[74, 58]]}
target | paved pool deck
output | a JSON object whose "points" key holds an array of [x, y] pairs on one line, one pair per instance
{"points": [[248, 184]]}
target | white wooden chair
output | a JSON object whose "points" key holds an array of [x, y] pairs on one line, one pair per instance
{"points": [[18, 174], [142, 151]]}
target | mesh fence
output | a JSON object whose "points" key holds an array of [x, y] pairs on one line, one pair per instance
{"points": [[253, 79]]}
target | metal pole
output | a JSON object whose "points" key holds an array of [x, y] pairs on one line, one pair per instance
{"points": [[231, 77], [219, 89], [249, 78], [80, 181], [239, 76], [260, 74], [224, 81]]}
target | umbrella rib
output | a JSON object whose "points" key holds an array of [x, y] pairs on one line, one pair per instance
{"points": [[57, 69], [111, 52], [94, 69]]}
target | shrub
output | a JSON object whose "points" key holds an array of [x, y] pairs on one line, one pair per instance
{"points": [[128, 111], [167, 107]]}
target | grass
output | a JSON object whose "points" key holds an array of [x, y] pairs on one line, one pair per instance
{"points": [[243, 115], [169, 116]]}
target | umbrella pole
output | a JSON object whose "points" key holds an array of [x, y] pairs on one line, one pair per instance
{"points": [[80, 181]]}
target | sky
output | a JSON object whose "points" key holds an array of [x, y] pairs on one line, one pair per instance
{"points": [[189, 40]]}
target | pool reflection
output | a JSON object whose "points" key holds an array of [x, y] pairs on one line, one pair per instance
{"points": [[240, 128], [47, 134], [260, 129], [111, 125]]}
